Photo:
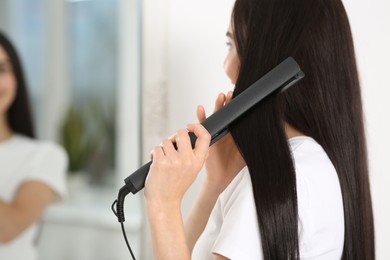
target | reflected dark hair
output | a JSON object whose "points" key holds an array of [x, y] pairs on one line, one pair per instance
{"points": [[325, 105], [19, 113]]}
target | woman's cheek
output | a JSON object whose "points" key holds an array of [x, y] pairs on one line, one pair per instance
{"points": [[231, 67]]}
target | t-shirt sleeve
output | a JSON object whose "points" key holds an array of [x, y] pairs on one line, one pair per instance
{"points": [[239, 237], [49, 165]]}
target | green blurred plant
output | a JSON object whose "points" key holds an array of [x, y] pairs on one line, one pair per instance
{"points": [[75, 140], [88, 136], [103, 128]]}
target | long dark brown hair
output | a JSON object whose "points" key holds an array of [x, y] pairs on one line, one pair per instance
{"points": [[19, 114], [325, 105]]}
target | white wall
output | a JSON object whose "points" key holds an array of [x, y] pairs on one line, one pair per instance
{"points": [[197, 49], [183, 53], [194, 39]]}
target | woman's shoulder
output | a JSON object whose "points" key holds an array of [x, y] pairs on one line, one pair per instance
{"points": [[240, 189], [37, 149], [235, 220], [320, 206], [316, 175], [310, 158], [304, 144]]}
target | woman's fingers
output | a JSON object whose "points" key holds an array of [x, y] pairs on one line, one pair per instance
{"points": [[183, 147], [219, 102], [200, 113], [180, 142], [229, 97], [202, 142], [157, 153], [183, 142], [168, 148]]}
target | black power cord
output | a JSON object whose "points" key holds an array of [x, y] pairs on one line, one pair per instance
{"points": [[119, 213]]}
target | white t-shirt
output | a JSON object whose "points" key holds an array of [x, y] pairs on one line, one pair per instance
{"points": [[232, 229], [24, 159]]}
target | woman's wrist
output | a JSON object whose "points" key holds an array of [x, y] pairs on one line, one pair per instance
{"points": [[160, 207], [167, 229]]}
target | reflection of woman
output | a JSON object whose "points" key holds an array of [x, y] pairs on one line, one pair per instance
{"points": [[31, 172], [291, 181]]}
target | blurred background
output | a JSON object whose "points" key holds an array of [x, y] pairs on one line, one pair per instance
{"points": [[109, 79]]}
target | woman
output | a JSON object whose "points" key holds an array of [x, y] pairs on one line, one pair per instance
{"points": [[32, 173], [291, 181]]}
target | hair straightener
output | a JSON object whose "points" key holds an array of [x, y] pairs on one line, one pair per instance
{"points": [[279, 78]]}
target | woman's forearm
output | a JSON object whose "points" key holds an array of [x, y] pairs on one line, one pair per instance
{"points": [[200, 212], [7, 219], [167, 229], [171, 174], [27, 206]]}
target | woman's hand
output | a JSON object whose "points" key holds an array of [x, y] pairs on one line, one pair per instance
{"points": [[171, 174], [173, 171], [224, 160]]}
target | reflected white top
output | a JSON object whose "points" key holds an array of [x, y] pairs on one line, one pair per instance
{"points": [[232, 229], [23, 159]]}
